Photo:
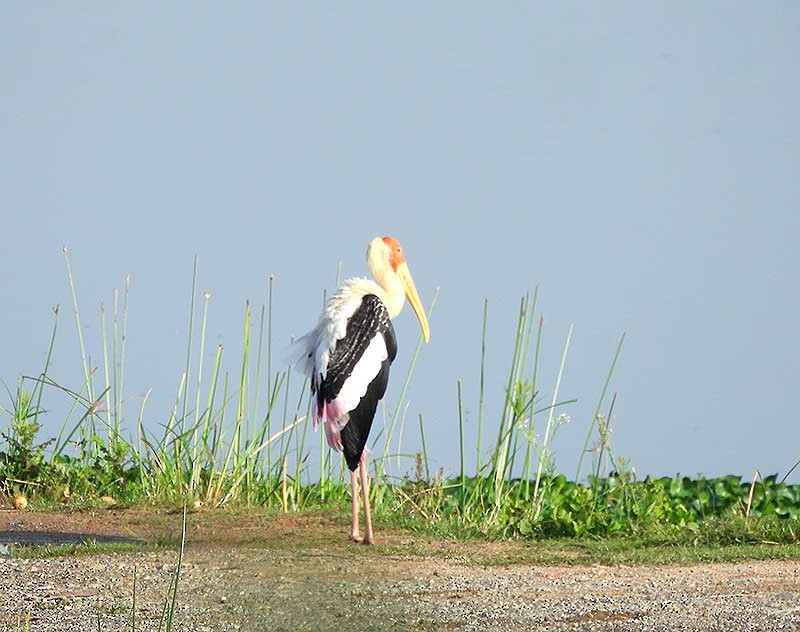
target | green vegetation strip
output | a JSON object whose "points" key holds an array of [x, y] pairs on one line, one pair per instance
{"points": [[239, 439]]}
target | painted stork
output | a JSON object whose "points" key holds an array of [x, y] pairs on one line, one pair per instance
{"points": [[347, 357]]}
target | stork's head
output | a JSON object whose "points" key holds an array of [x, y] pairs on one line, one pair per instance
{"points": [[388, 264]]}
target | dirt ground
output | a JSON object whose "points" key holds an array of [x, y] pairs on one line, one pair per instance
{"points": [[255, 572]]}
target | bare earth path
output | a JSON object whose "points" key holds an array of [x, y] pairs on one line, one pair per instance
{"points": [[248, 572]]}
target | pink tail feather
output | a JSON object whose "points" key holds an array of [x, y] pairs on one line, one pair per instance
{"points": [[334, 419]]}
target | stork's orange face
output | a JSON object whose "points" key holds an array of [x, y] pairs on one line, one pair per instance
{"points": [[396, 256], [398, 262]]}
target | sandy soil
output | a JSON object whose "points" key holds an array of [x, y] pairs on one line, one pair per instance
{"points": [[251, 572]]}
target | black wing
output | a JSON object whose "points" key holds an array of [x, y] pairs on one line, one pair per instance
{"points": [[369, 319]]}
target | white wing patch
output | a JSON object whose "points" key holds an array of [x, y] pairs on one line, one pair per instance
{"points": [[368, 366]]}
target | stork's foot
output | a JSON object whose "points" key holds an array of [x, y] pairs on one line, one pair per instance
{"points": [[354, 537], [369, 541]]}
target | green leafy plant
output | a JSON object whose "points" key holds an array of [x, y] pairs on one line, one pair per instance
{"points": [[23, 460]]}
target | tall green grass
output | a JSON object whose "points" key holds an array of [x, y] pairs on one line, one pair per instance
{"points": [[239, 435]]}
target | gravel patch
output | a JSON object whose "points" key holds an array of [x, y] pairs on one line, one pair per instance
{"points": [[94, 592], [255, 573], [400, 594]]}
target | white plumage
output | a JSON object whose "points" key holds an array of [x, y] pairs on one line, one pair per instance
{"points": [[312, 352]]}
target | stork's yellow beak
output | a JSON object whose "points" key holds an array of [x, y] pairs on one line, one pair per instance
{"points": [[413, 298]]}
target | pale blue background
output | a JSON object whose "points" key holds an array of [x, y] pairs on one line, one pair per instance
{"points": [[638, 161]]}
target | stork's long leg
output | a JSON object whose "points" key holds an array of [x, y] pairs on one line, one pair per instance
{"points": [[362, 468], [355, 534]]}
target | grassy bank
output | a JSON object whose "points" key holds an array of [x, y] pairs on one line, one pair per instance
{"points": [[239, 437]]}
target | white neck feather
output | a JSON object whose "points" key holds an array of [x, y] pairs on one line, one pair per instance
{"points": [[393, 294]]}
